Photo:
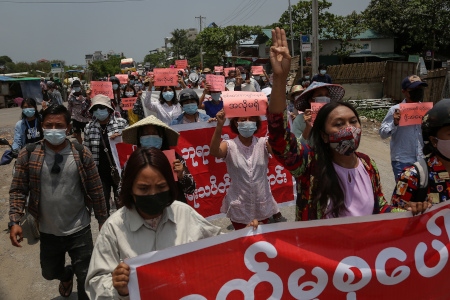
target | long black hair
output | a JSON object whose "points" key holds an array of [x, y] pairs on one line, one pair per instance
{"points": [[164, 89], [325, 175], [31, 104]]}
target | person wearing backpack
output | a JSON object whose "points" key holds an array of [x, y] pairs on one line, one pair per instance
{"points": [[61, 203], [427, 181]]}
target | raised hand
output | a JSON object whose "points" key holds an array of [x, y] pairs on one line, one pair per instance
{"points": [[280, 58]]}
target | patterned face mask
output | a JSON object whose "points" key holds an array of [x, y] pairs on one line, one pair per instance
{"points": [[346, 140]]}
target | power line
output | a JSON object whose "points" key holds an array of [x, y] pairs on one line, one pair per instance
{"points": [[247, 16], [68, 2], [233, 12], [245, 10]]}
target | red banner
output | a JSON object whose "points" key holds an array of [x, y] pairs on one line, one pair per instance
{"points": [[388, 256]]}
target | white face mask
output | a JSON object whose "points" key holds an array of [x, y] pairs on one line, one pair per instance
{"points": [[322, 99], [129, 94]]}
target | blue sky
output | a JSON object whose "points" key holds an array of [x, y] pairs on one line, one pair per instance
{"points": [[34, 30]]}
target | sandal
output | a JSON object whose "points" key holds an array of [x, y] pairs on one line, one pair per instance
{"points": [[65, 291]]}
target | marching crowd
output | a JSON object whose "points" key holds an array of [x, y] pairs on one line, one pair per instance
{"points": [[63, 181]]}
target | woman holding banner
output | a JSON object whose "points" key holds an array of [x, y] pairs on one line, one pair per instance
{"points": [[129, 91], [168, 108], [247, 157], [334, 179]]}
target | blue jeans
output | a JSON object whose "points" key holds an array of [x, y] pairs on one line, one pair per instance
{"points": [[397, 168], [79, 245]]}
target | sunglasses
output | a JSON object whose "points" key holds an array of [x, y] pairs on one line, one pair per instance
{"points": [[56, 168]]}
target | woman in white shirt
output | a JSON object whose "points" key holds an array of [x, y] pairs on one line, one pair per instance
{"points": [[168, 108]]}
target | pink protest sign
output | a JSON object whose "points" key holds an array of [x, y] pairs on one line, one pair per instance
{"points": [[412, 113], [150, 74], [218, 69], [123, 78], [227, 70], [165, 77], [128, 103], [170, 154], [315, 107], [244, 104], [257, 70], [181, 64], [217, 82], [102, 88]]}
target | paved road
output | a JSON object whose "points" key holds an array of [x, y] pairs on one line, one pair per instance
{"points": [[21, 278]]}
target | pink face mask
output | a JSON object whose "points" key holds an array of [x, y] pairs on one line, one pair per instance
{"points": [[346, 140]]}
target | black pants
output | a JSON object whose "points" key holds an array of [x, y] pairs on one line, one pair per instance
{"points": [[108, 184], [78, 245]]}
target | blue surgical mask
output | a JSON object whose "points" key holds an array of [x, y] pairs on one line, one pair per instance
{"points": [[190, 108], [55, 136], [77, 89], [167, 95], [247, 128], [153, 88], [149, 141], [131, 82], [323, 72], [101, 114], [215, 96], [29, 112], [244, 76], [129, 94], [115, 86], [307, 77]]}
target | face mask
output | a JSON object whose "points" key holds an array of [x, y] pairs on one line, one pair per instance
{"points": [[190, 108], [101, 114], [443, 147], [131, 82], [168, 96], [263, 77], [29, 112], [115, 86], [247, 128], [77, 89], [416, 95], [306, 77], [322, 99], [244, 76], [153, 204], [55, 136], [346, 140], [215, 96], [153, 88], [231, 80], [257, 77], [323, 72], [129, 94], [149, 141]]}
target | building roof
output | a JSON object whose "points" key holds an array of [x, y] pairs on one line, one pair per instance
{"points": [[7, 78]]}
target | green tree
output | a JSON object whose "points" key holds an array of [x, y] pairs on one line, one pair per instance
{"points": [[156, 60], [107, 67], [345, 29], [178, 40], [4, 59]]}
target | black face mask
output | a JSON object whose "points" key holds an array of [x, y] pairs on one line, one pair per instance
{"points": [[153, 204], [416, 95]]}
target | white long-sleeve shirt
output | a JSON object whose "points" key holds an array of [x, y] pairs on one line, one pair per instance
{"points": [[164, 112]]}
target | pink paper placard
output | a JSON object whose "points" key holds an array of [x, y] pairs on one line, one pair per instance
{"points": [[244, 104], [315, 107], [218, 69], [257, 70], [181, 64], [170, 154], [217, 82], [412, 113], [150, 74], [128, 103], [123, 78], [165, 77], [227, 70], [102, 88]]}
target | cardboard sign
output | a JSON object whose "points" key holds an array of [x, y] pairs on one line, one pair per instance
{"points": [[412, 113], [123, 78], [315, 107], [217, 82], [257, 70], [244, 104], [165, 77], [227, 70], [218, 69], [170, 154], [181, 64], [388, 255], [128, 103], [102, 88]]}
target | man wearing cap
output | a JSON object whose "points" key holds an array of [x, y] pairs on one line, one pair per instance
{"points": [[189, 101], [104, 127], [406, 141], [60, 202]]}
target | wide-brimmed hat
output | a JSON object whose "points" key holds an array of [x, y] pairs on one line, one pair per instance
{"points": [[101, 100], [336, 91], [295, 89], [130, 134], [206, 70]]}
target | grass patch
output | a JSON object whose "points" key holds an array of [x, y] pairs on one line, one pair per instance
{"points": [[373, 114]]}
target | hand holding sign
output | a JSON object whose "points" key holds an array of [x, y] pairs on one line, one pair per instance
{"points": [[181, 64], [315, 107], [102, 88], [165, 77], [218, 69], [128, 103], [257, 70], [244, 104], [123, 78], [216, 82], [227, 70], [412, 113]]}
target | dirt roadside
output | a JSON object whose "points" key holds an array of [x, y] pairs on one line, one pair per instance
{"points": [[22, 277]]}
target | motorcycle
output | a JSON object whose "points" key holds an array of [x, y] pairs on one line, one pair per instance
{"points": [[7, 157]]}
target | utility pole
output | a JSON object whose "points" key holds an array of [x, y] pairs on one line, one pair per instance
{"points": [[200, 18], [292, 32], [315, 36]]}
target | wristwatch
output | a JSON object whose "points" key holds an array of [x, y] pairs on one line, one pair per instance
{"points": [[12, 223]]}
